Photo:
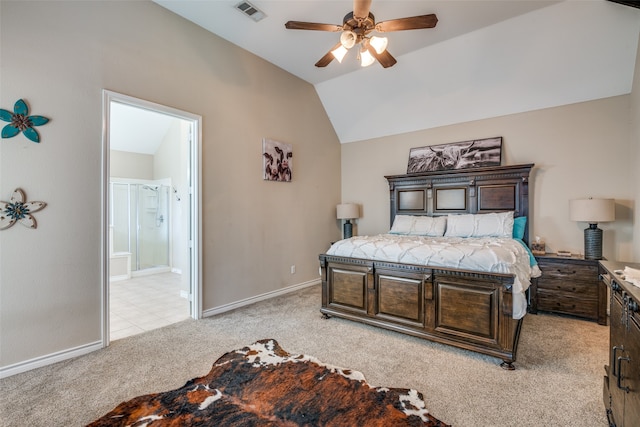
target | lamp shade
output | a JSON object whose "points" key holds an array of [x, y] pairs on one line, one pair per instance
{"points": [[348, 211], [592, 210]]}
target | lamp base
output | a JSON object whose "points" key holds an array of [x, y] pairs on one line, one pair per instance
{"points": [[593, 242], [348, 229]]}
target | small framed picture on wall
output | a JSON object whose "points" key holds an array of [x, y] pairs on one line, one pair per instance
{"points": [[277, 160]]}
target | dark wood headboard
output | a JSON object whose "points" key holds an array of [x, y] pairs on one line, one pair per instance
{"points": [[473, 190]]}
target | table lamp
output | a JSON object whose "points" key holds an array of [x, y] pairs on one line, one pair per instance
{"points": [[348, 211], [592, 211]]}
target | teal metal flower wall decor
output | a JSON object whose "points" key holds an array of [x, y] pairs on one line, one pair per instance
{"points": [[21, 121], [17, 210]]}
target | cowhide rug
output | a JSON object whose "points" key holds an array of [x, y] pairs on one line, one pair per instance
{"points": [[263, 385]]}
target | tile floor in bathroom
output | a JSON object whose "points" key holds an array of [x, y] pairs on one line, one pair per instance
{"points": [[144, 303]]}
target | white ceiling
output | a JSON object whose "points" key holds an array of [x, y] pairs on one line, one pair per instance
{"points": [[137, 130], [484, 58], [298, 50]]}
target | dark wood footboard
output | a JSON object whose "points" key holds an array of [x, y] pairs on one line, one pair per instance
{"points": [[470, 310]]}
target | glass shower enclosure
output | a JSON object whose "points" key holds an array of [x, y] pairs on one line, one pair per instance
{"points": [[139, 221]]}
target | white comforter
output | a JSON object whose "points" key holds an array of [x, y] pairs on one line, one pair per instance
{"points": [[489, 254]]}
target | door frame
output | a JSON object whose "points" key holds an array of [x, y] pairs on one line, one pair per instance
{"points": [[195, 196]]}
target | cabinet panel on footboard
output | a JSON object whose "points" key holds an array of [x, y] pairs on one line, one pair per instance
{"points": [[401, 298], [348, 290], [467, 311], [475, 311]]}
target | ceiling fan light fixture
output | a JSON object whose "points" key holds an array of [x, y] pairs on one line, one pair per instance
{"points": [[379, 43], [366, 58], [339, 53], [355, 30], [348, 39]]}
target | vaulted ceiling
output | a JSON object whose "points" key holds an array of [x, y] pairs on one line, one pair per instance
{"points": [[483, 59]]}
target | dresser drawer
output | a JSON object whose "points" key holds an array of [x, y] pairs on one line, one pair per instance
{"points": [[586, 287], [568, 303], [560, 270]]}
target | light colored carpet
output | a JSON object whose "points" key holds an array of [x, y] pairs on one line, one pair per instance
{"points": [[558, 380]]}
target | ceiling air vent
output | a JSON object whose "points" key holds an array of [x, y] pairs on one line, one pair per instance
{"points": [[250, 10]]}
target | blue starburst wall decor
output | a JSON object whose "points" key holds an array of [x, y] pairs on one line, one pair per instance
{"points": [[21, 121], [19, 210]]}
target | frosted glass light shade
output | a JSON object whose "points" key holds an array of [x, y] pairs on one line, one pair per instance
{"points": [[348, 211], [592, 211], [339, 53], [348, 39], [379, 43], [366, 58]]}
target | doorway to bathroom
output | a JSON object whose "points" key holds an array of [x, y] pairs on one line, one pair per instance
{"points": [[151, 224]]}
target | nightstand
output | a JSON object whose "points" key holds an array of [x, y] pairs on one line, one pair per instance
{"points": [[569, 285]]}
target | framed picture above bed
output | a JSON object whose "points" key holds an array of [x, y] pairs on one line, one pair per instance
{"points": [[457, 155]]}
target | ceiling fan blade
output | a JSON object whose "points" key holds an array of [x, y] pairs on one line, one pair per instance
{"points": [[328, 57], [411, 23], [297, 25], [361, 8], [385, 58]]}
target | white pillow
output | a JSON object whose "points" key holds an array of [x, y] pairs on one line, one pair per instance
{"points": [[419, 225], [480, 225], [402, 224], [429, 226]]}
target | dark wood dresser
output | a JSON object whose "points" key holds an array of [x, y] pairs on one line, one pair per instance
{"points": [[621, 388], [569, 285]]}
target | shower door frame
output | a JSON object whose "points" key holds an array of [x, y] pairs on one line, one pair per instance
{"points": [[166, 182], [195, 197]]}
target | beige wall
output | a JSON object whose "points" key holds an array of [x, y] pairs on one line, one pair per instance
{"points": [[59, 56], [579, 150], [124, 164], [171, 161], [634, 142]]}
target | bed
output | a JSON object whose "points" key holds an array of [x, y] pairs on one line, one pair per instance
{"points": [[463, 283]]}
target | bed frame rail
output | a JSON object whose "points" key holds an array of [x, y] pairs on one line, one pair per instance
{"points": [[466, 309]]}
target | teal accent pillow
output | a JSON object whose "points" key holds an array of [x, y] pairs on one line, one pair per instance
{"points": [[532, 259], [519, 225]]}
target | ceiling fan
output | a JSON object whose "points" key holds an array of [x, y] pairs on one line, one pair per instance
{"points": [[355, 29]]}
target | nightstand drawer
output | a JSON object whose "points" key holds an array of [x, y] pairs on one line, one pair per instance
{"points": [[568, 303], [582, 288], [561, 270], [569, 285]]}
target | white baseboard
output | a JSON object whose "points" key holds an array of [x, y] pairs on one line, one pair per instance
{"points": [[38, 362], [150, 271], [252, 300]]}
